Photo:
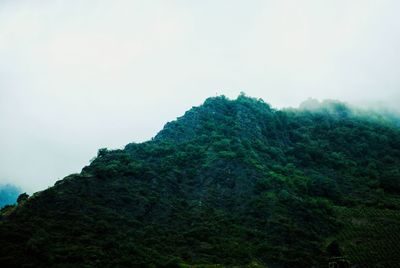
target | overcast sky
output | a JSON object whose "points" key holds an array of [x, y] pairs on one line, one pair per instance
{"points": [[76, 76]]}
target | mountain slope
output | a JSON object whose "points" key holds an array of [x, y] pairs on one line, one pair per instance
{"points": [[232, 182]]}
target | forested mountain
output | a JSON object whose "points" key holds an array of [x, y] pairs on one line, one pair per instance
{"points": [[230, 183], [8, 194]]}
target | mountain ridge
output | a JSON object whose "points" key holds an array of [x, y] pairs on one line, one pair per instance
{"points": [[232, 182]]}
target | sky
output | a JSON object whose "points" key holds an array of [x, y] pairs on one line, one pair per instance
{"points": [[76, 76]]}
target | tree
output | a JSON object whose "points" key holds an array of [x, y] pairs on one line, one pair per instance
{"points": [[22, 198], [334, 249]]}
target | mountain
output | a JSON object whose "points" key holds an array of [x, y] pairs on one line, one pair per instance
{"points": [[8, 194], [230, 183]]}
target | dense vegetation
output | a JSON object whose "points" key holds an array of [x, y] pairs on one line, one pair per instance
{"points": [[231, 183], [8, 194]]}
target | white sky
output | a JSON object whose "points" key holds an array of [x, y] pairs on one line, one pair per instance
{"points": [[76, 76]]}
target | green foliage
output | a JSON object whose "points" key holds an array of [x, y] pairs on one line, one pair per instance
{"points": [[370, 236], [231, 183], [22, 198]]}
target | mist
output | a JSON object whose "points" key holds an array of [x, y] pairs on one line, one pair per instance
{"points": [[76, 76]]}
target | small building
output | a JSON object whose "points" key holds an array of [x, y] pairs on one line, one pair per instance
{"points": [[339, 262]]}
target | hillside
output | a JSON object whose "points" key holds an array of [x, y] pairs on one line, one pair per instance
{"points": [[230, 183]]}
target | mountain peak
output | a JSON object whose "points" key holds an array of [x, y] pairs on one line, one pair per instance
{"points": [[230, 183], [219, 114]]}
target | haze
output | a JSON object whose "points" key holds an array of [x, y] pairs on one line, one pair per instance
{"points": [[76, 76]]}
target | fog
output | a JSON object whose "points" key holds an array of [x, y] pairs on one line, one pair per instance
{"points": [[76, 76]]}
